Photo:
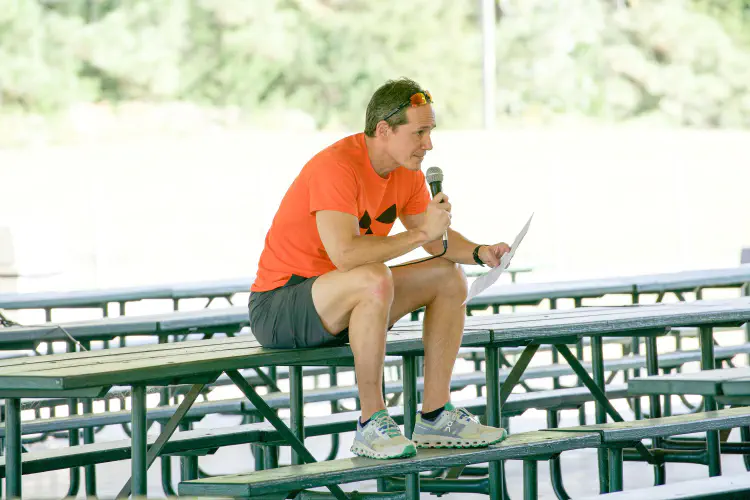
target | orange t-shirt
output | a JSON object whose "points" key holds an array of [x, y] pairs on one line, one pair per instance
{"points": [[338, 178]]}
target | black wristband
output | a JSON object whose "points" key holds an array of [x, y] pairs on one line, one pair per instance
{"points": [[475, 254]]}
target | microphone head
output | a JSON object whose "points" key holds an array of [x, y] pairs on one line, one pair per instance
{"points": [[434, 174]]}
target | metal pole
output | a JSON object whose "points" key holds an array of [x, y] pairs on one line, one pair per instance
{"points": [[257, 451], [530, 482], [597, 363], [579, 354], [73, 434], [164, 396], [745, 293], [652, 368], [635, 348], [88, 438], [410, 414], [166, 476], [488, 62], [13, 448], [139, 468], [555, 469], [334, 382], [296, 404], [615, 469], [492, 366], [667, 409], [712, 437], [188, 463], [555, 354]]}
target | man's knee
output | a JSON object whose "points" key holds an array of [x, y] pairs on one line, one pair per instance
{"points": [[376, 283], [452, 280]]}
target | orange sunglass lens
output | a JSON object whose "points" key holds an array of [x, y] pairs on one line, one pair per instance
{"points": [[418, 99]]}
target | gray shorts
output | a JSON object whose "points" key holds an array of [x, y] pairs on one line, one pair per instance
{"points": [[285, 318]]}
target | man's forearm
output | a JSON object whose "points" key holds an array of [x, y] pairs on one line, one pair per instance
{"points": [[369, 249], [460, 249]]}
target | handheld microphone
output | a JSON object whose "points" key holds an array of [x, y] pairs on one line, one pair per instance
{"points": [[434, 178]]}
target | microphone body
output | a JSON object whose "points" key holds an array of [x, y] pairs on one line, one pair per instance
{"points": [[434, 178], [436, 187]]}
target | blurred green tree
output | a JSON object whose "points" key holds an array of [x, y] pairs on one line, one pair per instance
{"points": [[592, 59]]}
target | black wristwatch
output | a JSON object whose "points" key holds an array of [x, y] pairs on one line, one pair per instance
{"points": [[476, 256]]}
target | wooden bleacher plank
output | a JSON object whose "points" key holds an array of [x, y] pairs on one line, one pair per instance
{"points": [[737, 387], [705, 382], [516, 446], [619, 432], [615, 320], [735, 487]]}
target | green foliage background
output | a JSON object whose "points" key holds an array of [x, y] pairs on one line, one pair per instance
{"points": [[676, 62]]}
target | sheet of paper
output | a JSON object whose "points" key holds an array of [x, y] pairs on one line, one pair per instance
{"points": [[485, 281]]}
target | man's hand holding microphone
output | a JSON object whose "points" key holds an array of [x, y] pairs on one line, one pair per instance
{"points": [[437, 218]]}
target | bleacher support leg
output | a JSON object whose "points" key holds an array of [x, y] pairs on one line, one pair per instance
{"points": [[745, 437], [712, 437], [13, 448], [188, 463], [410, 414], [88, 438], [166, 476], [597, 362], [271, 457], [745, 293], [492, 366], [296, 404], [667, 409], [579, 354], [259, 456], [555, 354], [635, 349], [555, 469], [74, 435], [530, 484], [138, 460], [615, 469], [652, 368], [166, 461], [334, 382]]}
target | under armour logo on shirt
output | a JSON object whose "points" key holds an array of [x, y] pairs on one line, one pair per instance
{"points": [[387, 217]]}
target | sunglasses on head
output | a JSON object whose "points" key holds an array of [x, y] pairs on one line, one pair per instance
{"points": [[419, 99]]}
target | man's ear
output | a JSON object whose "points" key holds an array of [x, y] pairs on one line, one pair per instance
{"points": [[382, 129]]}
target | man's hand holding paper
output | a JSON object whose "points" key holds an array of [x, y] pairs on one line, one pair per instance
{"points": [[503, 261], [491, 254]]}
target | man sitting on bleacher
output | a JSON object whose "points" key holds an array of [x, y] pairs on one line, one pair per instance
{"points": [[322, 280]]}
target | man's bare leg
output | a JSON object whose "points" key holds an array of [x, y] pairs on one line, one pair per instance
{"points": [[360, 299], [363, 299], [440, 285]]}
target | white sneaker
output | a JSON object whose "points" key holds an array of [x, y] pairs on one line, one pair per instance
{"points": [[455, 428], [381, 438]]}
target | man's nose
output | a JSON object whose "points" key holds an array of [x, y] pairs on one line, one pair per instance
{"points": [[427, 143]]}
